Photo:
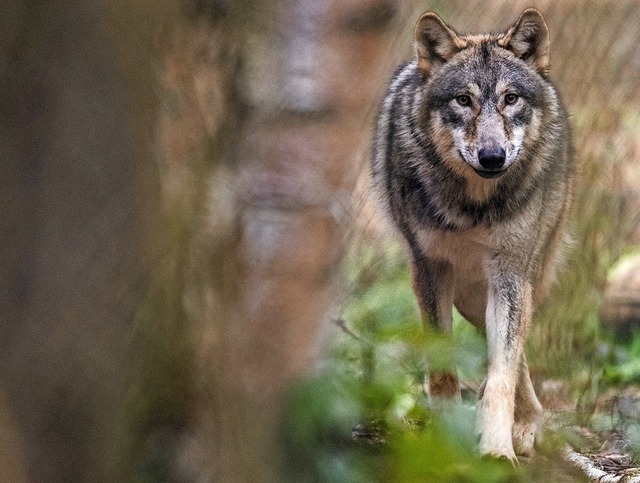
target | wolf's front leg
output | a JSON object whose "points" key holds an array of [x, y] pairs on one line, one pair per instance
{"points": [[509, 311], [433, 284]]}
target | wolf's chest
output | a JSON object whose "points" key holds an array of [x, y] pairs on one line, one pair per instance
{"points": [[467, 251]]}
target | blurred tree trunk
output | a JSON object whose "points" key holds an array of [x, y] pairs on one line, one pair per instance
{"points": [[264, 111], [80, 201], [265, 124]]}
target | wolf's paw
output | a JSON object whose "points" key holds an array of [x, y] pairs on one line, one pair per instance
{"points": [[442, 386], [501, 456], [496, 445], [525, 437]]}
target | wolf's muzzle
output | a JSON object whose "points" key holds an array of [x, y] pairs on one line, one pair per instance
{"points": [[492, 159], [490, 174], [492, 162]]}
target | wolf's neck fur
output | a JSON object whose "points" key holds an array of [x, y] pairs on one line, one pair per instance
{"points": [[481, 190]]}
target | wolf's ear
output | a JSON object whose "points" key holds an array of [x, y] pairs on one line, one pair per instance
{"points": [[435, 42], [529, 40]]}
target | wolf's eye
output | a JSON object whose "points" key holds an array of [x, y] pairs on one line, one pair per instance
{"points": [[464, 100], [511, 99]]}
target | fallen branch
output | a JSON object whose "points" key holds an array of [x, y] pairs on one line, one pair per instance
{"points": [[592, 470]]}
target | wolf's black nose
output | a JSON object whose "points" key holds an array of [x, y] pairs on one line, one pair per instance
{"points": [[492, 159]]}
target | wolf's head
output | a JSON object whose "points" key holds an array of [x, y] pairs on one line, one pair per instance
{"points": [[484, 95]]}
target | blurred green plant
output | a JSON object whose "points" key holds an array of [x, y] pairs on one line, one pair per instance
{"points": [[161, 393], [622, 363], [366, 418]]}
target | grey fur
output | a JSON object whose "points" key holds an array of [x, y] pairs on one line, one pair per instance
{"points": [[489, 246]]}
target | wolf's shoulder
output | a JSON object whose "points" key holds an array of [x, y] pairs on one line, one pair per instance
{"points": [[405, 76]]}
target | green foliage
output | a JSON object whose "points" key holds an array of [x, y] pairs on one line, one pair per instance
{"points": [[623, 362], [365, 418], [391, 342], [444, 451], [160, 392], [372, 381], [319, 414]]}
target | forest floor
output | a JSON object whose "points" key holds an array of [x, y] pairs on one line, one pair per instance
{"points": [[607, 448], [603, 446]]}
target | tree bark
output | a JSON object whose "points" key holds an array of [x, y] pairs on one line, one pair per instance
{"points": [[79, 210], [263, 124], [276, 101]]}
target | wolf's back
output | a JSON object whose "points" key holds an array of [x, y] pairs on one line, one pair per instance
{"points": [[393, 145]]}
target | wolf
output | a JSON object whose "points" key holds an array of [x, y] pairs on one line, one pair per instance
{"points": [[472, 161]]}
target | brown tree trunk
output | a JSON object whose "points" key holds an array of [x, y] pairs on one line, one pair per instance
{"points": [[264, 121], [275, 103], [79, 205]]}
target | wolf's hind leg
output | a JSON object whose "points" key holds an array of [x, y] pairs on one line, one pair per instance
{"points": [[433, 284], [528, 416]]}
